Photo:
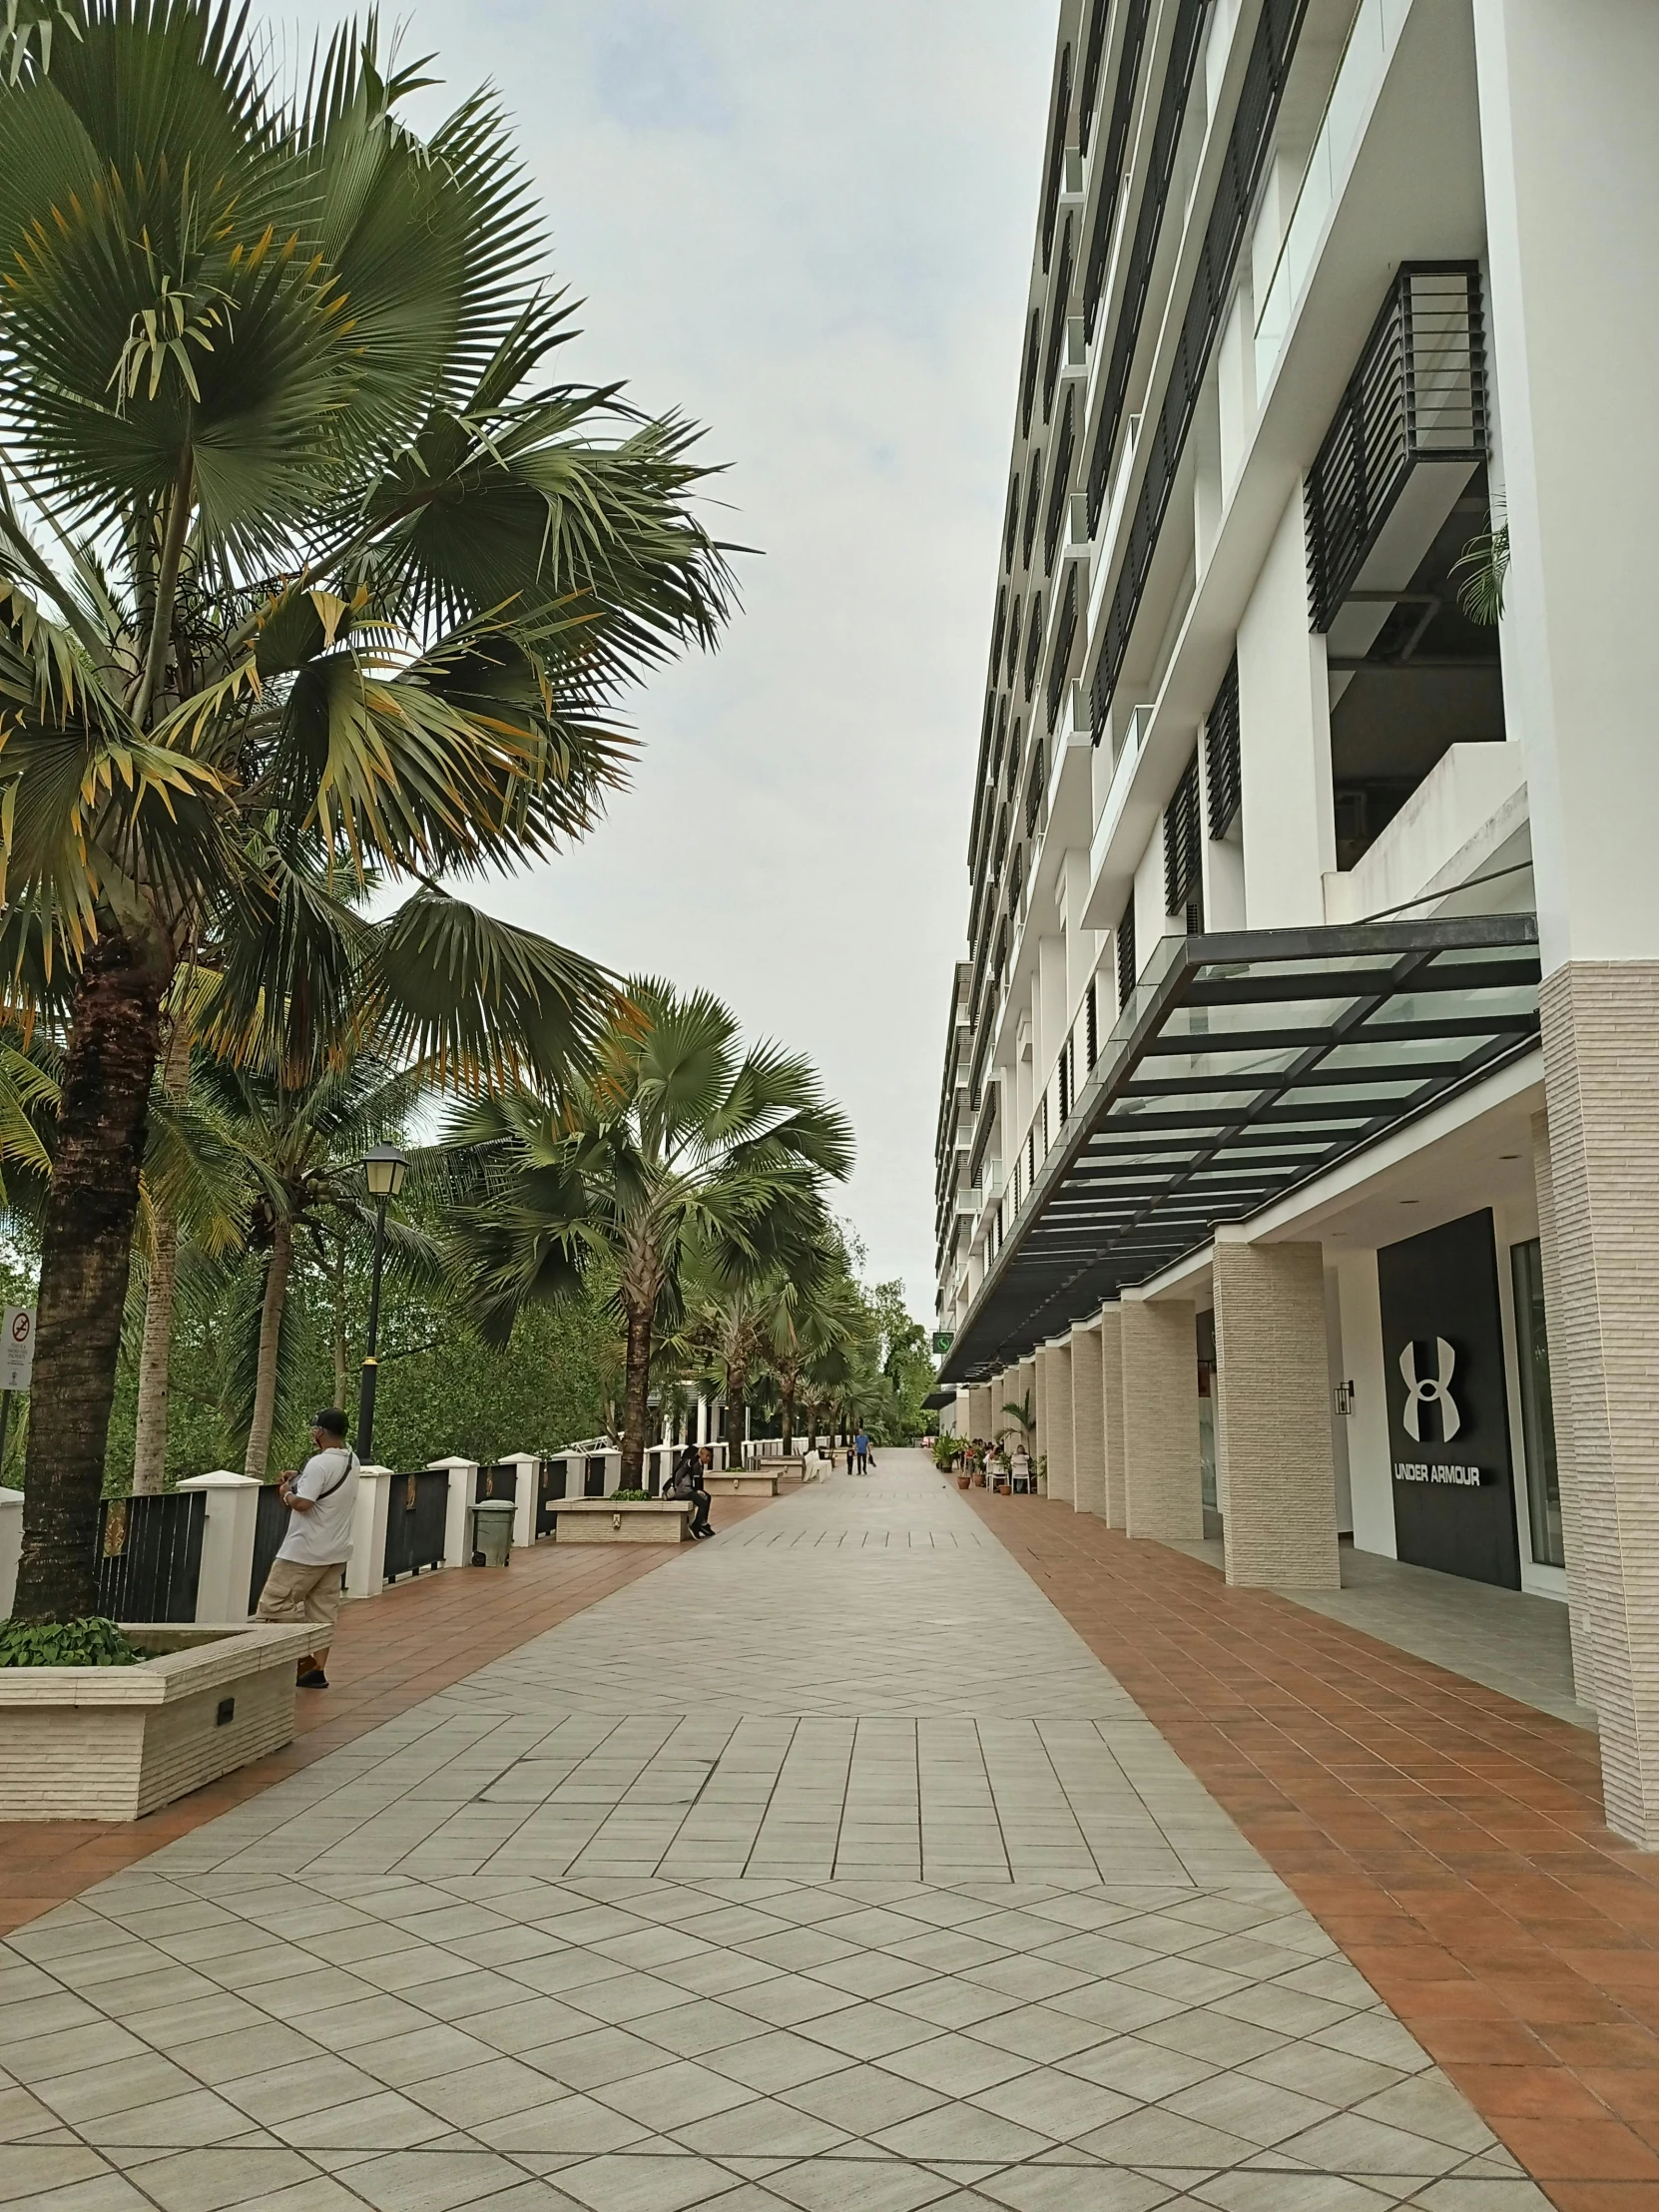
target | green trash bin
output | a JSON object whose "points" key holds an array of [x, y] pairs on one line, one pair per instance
{"points": [[492, 1531]]}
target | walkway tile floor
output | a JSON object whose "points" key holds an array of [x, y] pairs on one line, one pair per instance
{"points": [[824, 1869], [1449, 1839]]}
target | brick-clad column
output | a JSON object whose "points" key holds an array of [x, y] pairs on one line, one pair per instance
{"points": [[978, 1410], [1560, 1382], [1111, 1408], [1039, 1404], [1160, 1419], [1273, 1463], [1088, 1436], [1601, 1074], [1057, 1399], [1025, 1394]]}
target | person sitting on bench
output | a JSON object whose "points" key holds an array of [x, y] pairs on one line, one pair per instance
{"points": [[687, 1481]]}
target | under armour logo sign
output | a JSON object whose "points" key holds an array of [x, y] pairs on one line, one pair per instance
{"points": [[1433, 1390]]}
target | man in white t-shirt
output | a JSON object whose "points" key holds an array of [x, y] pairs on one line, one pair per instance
{"points": [[305, 1582]]}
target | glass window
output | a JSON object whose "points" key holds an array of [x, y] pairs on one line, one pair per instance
{"points": [[1543, 1477]]}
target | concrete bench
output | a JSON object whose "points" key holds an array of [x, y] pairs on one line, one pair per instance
{"points": [[604, 1520], [741, 1482]]}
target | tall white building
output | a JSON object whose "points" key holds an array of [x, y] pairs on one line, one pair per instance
{"points": [[1299, 1146]]}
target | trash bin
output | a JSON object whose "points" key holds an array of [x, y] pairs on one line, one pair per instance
{"points": [[492, 1531]]}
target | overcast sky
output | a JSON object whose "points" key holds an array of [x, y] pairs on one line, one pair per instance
{"points": [[807, 223]]}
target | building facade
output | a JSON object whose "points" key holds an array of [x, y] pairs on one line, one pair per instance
{"points": [[1297, 1166]]}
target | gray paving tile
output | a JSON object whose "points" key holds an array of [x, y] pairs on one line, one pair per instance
{"points": [[885, 1925]]}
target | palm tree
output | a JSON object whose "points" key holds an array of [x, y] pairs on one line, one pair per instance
{"points": [[811, 1324], [310, 577], [725, 1325], [302, 1151], [675, 1150]]}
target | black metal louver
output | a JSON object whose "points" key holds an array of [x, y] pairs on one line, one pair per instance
{"points": [[1418, 394], [1001, 739], [1013, 757], [1111, 161], [1000, 624], [1088, 86], [1182, 851], [1016, 617], [1065, 1083], [1016, 879], [1166, 139], [1091, 1026], [1060, 479], [1127, 967], [1059, 302], [1035, 789], [1033, 505], [1065, 640], [1266, 71], [1029, 374], [1033, 644], [1056, 155], [1010, 529], [1220, 754]]}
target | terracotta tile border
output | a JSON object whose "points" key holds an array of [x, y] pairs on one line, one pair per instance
{"points": [[1449, 1839], [415, 1639]]}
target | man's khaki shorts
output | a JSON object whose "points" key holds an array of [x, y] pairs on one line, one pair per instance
{"points": [[296, 1592]]}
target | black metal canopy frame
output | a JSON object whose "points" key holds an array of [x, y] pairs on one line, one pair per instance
{"points": [[1245, 1064]]}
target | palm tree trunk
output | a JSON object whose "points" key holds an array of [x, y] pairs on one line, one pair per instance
{"points": [[155, 1360], [340, 1328], [103, 1113], [636, 1390], [270, 1337], [789, 1416], [737, 1382]]}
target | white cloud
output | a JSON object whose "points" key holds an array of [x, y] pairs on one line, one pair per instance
{"points": [[807, 223]]}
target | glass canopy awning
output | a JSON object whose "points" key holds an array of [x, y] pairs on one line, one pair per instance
{"points": [[1245, 1064]]}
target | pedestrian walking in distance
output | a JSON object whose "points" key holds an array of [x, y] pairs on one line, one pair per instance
{"points": [[849, 1454], [305, 1576], [861, 1446]]}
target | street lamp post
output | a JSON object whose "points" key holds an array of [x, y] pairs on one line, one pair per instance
{"points": [[384, 1171]]}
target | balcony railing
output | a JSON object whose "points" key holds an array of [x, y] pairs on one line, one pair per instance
{"points": [[1418, 395]]}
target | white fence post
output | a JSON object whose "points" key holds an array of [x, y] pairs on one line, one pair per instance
{"points": [[457, 1534], [366, 1572], [233, 1517], [11, 1547], [524, 1497]]}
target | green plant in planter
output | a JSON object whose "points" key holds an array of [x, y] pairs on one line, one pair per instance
{"points": [[83, 1643], [629, 1497]]}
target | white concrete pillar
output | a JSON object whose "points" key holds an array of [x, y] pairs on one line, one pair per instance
{"points": [[702, 1420], [11, 1548], [1289, 837], [1088, 1431], [1116, 1507], [457, 1519], [1273, 1463], [1063, 1481], [366, 1570], [232, 1517], [1163, 1482], [528, 1465], [1571, 171]]}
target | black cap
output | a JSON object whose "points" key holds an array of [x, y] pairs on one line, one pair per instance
{"points": [[330, 1421]]}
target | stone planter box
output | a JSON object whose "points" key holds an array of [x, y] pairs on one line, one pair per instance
{"points": [[603, 1520], [115, 1742], [750, 1482]]}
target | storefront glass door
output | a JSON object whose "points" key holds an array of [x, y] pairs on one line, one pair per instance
{"points": [[1544, 1478]]}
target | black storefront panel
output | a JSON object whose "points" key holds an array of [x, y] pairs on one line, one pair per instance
{"points": [[1448, 1408]]}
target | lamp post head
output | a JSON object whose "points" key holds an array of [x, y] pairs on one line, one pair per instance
{"points": [[384, 1169]]}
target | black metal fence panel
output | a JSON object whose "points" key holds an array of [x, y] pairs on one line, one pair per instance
{"points": [[148, 1558], [500, 1481], [552, 1477], [417, 1509], [270, 1525], [593, 1479]]}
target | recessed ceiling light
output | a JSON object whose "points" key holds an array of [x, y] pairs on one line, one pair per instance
{"points": [[1411, 1202], [1508, 1155]]}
